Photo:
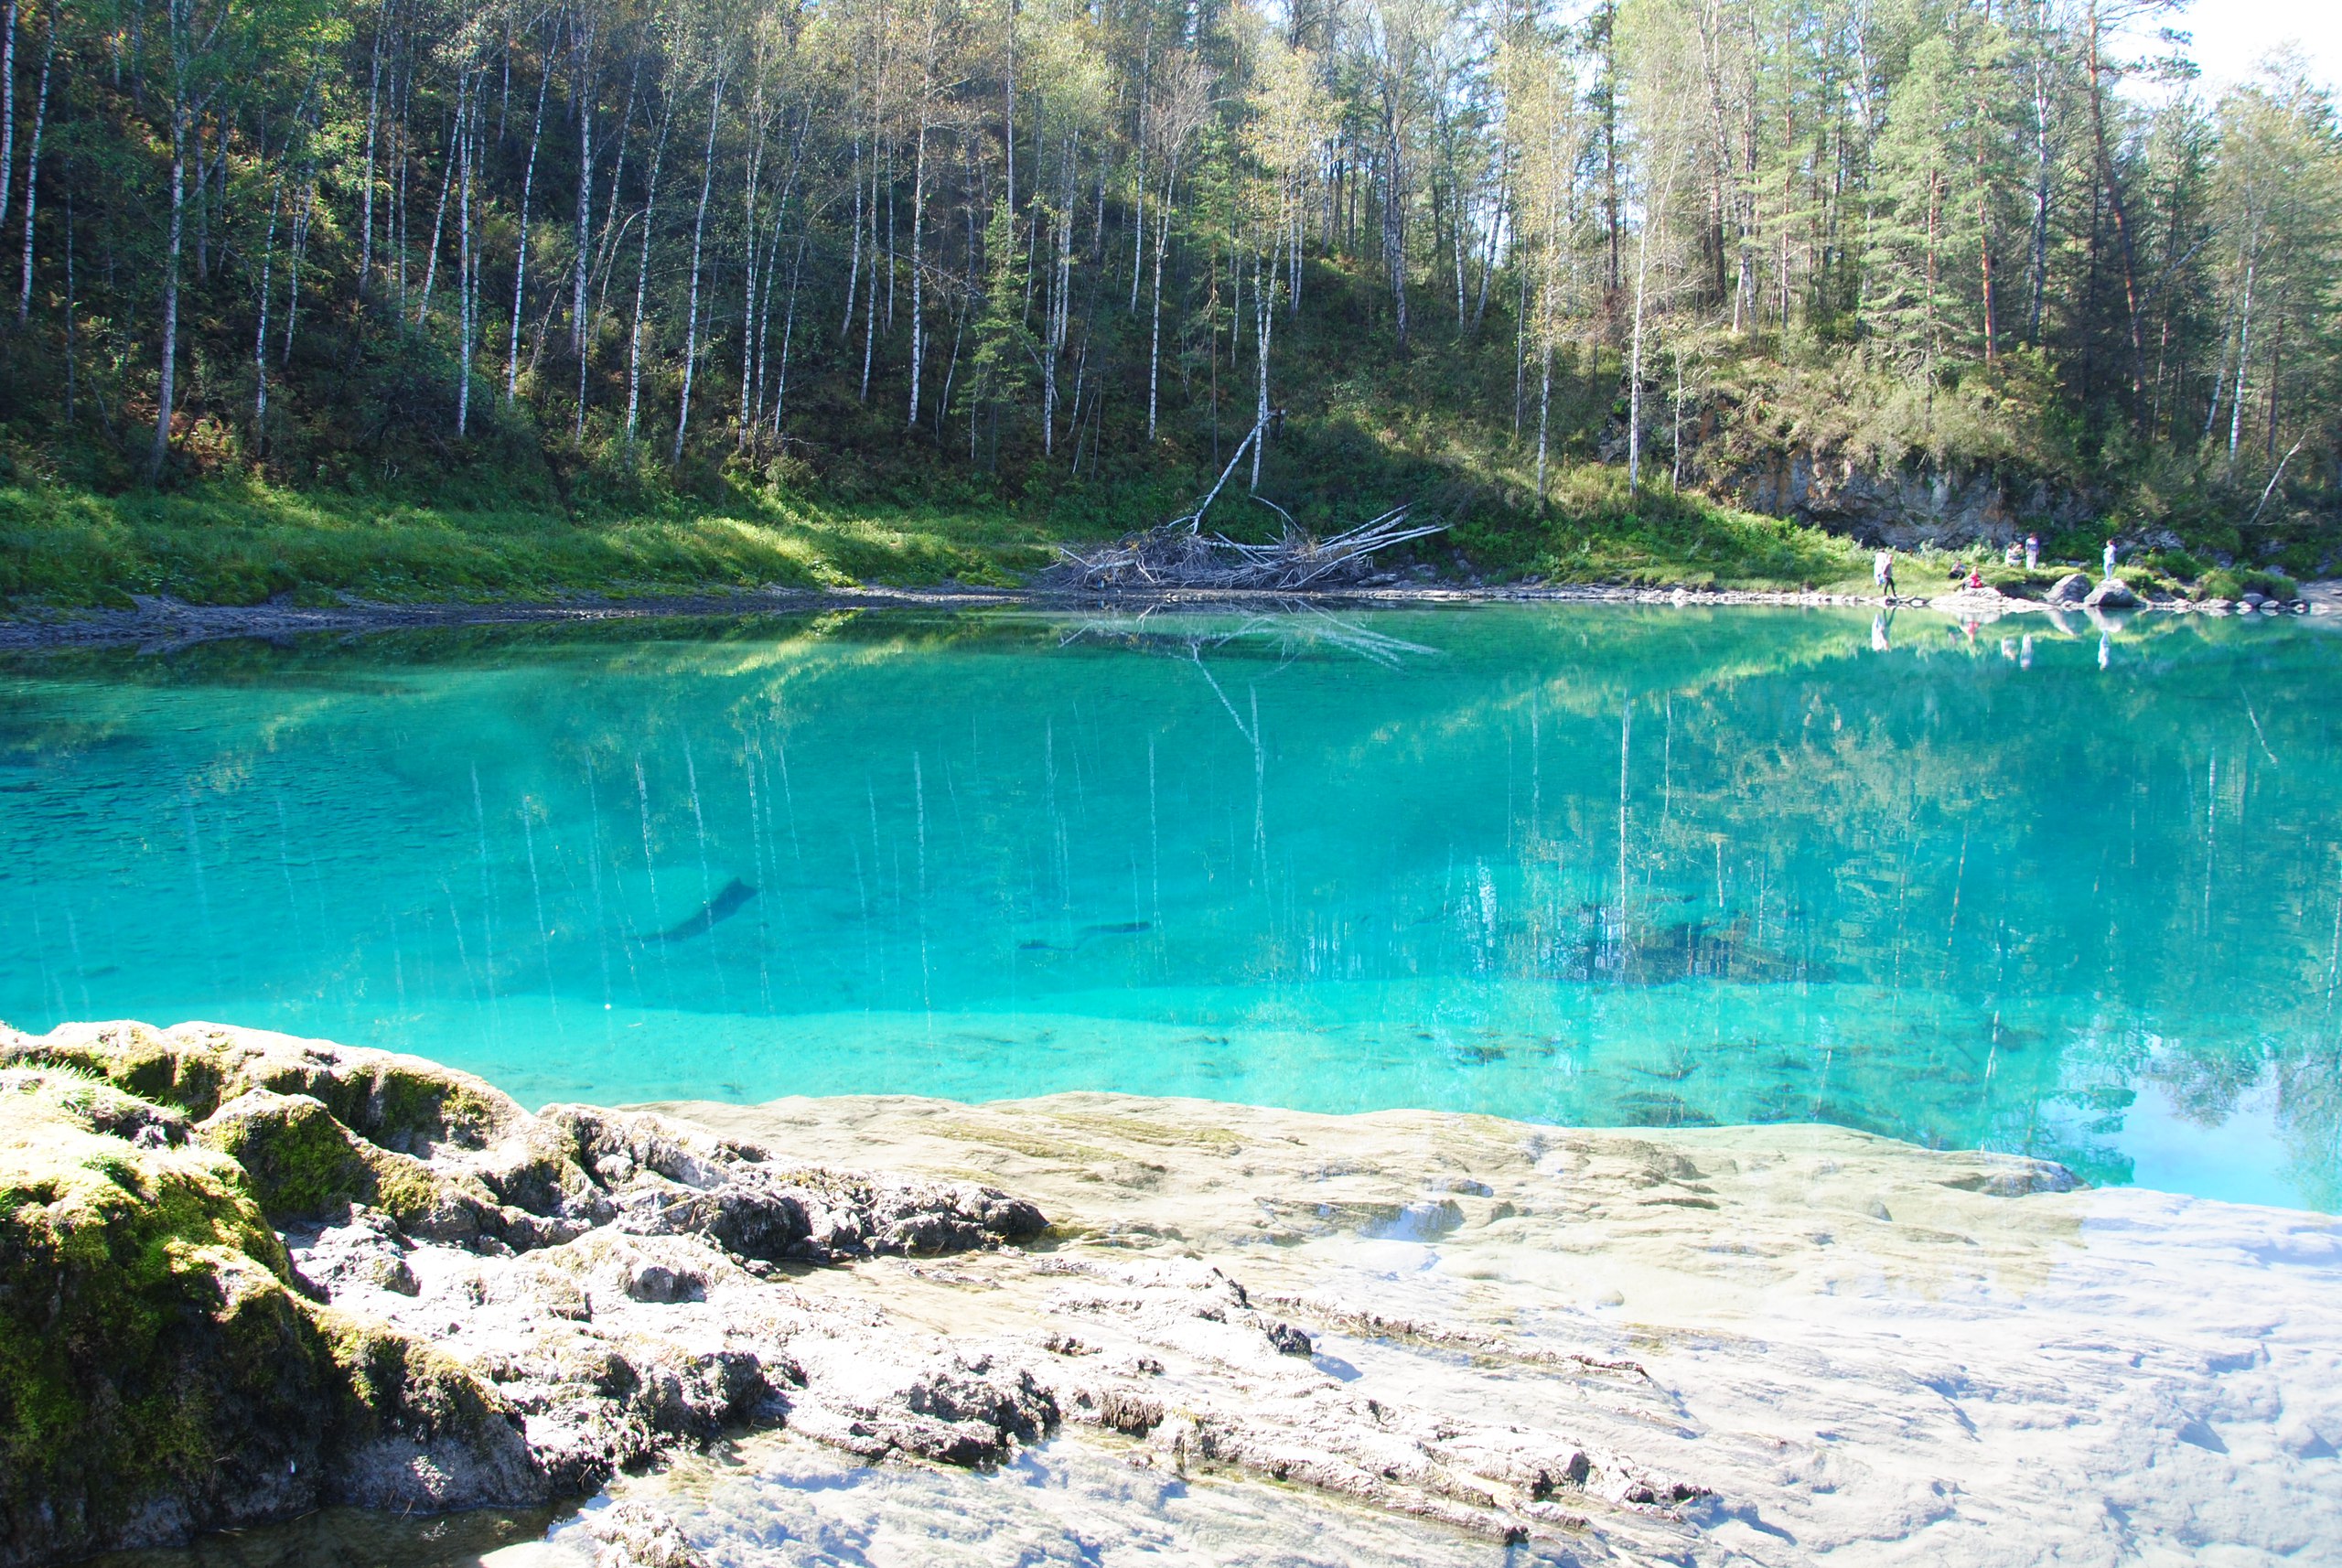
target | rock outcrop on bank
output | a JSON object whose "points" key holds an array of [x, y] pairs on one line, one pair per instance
{"points": [[242, 1275]]}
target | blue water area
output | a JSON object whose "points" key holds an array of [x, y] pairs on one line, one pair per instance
{"points": [[2062, 888]]}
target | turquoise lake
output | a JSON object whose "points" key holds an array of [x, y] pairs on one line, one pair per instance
{"points": [[2060, 889]]}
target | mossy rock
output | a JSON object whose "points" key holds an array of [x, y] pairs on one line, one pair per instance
{"points": [[296, 1158], [159, 1376], [397, 1101], [134, 1058], [300, 1161], [409, 1412]]}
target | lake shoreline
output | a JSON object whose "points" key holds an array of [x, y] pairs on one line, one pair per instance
{"points": [[161, 624], [1750, 1344]]}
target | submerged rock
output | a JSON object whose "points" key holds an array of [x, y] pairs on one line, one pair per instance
{"points": [[635, 1535]]}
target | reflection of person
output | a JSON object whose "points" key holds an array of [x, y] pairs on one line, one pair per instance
{"points": [[2032, 551], [2105, 648], [1882, 571], [2025, 653], [2109, 559], [2008, 648], [1878, 632]]}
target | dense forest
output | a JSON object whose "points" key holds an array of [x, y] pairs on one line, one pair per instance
{"points": [[606, 251]]}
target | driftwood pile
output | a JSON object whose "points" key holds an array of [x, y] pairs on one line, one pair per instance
{"points": [[1180, 554]]}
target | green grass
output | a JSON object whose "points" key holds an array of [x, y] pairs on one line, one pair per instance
{"points": [[232, 541], [1598, 530], [243, 541]]}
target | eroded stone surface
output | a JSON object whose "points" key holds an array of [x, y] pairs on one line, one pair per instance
{"points": [[409, 1293]]}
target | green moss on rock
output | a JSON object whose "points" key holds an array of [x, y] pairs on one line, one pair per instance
{"points": [[140, 1060], [301, 1162], [400, 1102], [409, 1411], [159, 1375], [296, 1158]]}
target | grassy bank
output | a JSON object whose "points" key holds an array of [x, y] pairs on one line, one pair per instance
{"points": [[241, 542], [237, 542]]}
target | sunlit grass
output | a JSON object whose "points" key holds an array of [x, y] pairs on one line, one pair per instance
{"points": [[243, 542], [1599, 530]]}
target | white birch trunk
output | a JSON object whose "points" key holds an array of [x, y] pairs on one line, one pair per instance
{"points": [[787, 331], [439, 214], [162, 446], [761, 129], [1545, 403], [642, 287], [578, 335], [1155, 325], [374, 117], [2243, 363], [260, 335], [870, 299], [699, 232], [919, 242], [521, 249], [7, 103], [32, 168], [467, 297], [1264, 320], [300, 248], [854, 265]]}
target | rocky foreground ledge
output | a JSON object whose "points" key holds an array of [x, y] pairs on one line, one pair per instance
{"points": [[242, 1275]]}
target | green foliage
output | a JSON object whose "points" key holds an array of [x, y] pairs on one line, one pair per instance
{"points": [[1942, 244], [2226, 583], [1857, 406]]}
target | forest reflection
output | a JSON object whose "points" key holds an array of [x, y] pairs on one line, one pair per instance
{"points": [[1970, 885]]}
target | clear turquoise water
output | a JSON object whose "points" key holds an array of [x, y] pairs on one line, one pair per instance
{"points": [[1583, 864]]}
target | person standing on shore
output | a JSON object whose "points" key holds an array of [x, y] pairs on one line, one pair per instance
{"points": [[2032, 551], [2109, 559], [1882, 571]]}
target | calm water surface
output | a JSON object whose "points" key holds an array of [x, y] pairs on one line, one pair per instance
{"points": [[2079, 896]]}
